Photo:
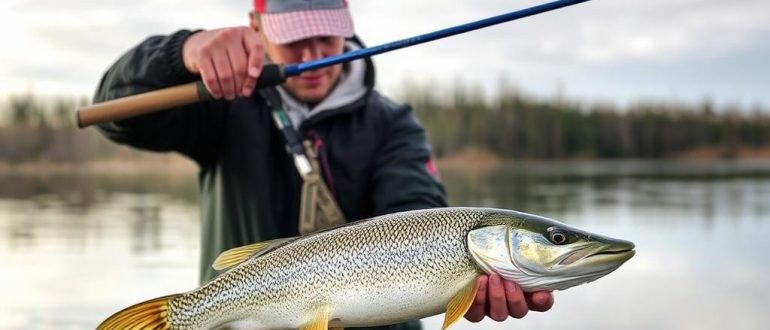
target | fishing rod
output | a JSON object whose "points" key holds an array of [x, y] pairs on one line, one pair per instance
{"points": [[275, 74]]}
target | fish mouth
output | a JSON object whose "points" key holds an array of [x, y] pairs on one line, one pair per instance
{"points": [[617, 252], [606, 253]]}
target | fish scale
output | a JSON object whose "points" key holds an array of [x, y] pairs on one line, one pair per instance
{"points": [[365, 260]]}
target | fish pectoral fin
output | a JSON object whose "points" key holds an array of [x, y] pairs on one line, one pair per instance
{"points": [[240, 254], [320, 321], [151, 314], [459, 305]]}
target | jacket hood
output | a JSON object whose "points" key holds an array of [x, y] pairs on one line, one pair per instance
{"points": [[354, 84]]}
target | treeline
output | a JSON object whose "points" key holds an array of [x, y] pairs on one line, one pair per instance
{"points": [[511, 124], [42, 129], [516, 125]]}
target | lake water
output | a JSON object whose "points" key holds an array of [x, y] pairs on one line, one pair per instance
{"points": [[75, 248]]}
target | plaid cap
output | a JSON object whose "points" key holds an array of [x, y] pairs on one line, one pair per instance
{"points": [[286, 21]]}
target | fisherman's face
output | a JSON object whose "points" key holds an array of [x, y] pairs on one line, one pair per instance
{"points": [[310, 86]]}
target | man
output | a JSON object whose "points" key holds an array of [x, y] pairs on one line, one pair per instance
{"points": [[373, 154]]}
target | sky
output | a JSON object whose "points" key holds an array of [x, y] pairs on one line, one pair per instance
{"points": [[617, 51]]}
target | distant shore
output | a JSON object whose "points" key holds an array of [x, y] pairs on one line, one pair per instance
{"points": [[147, 164], [472, 160], [482, 160]]}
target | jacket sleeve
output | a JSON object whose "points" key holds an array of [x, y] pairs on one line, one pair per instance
{"points": [[402, 180], [156, 63]]}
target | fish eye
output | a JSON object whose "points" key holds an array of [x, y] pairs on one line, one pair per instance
{"points": [[557, 236]]}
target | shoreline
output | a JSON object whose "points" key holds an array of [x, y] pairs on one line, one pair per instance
{"points": [[471, 160], [147, 164]]}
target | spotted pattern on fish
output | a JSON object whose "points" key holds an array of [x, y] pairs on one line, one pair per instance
{"points": [[413, 260]]}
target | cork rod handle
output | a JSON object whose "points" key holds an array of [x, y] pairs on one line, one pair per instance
{"points": [[140, 104]]}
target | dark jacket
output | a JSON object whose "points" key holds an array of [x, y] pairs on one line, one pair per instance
{"points": [[377, 153]]}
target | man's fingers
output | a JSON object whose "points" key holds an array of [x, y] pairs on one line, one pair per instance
{"points": [[517, 304], [498, 306], [253, 46], [229, 60], [240, 70], [255, 52], [478, 310], [209, 77], [539, 301], [225, 75], [499, 298], [250, 82]]}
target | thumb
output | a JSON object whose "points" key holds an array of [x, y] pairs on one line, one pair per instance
{"points": [[253, 46]]}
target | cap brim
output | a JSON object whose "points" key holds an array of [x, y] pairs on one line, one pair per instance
{"points": [[283, 28]]}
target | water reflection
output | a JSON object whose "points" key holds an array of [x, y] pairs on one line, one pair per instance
{"points": [[75, 248], [563, 190]]}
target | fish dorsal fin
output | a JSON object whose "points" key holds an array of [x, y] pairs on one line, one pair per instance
{"points": [[459, 305], [238, 255]]}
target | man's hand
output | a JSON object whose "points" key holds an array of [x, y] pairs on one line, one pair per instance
{"points": [[228, 60], [498, 298]]}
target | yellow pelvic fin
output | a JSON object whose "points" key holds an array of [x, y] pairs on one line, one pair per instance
{"points": [[238, 255], [459, 305], [320, 321], [151, 314]]}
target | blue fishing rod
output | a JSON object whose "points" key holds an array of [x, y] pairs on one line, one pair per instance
{"points": [[273, 74]]}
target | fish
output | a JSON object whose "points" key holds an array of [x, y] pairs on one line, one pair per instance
{"points": [[384, 270]]}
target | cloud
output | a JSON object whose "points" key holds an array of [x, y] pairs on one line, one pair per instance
{"points": [[65, 46], [597, 43], [621, 49], [669, 30]]}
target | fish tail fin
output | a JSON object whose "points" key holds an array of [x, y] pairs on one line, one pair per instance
{"points": [[151, 314]]}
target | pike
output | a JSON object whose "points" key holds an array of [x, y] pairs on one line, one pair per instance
{"points": [[384, 270]]}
